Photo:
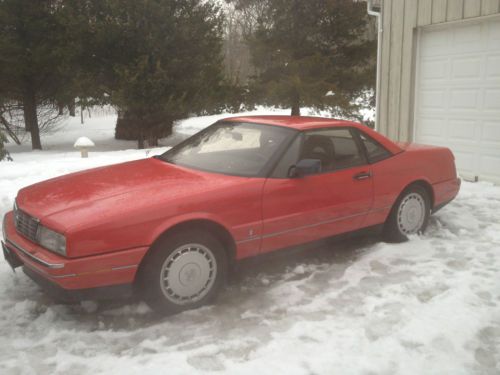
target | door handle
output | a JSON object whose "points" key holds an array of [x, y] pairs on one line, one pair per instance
{"points": [[362, 175]]}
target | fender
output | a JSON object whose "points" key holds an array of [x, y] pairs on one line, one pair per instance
{"points": [[418, 179], [173, 221]]}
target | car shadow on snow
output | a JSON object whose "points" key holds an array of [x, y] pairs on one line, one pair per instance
{"points": [[251, 287], [246, 288]]}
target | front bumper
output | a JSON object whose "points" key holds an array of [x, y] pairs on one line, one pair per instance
{"points": [[74, 295], [70, 275]]}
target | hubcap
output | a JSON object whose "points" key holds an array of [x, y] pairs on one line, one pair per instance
{"points": [[188, 274], [411, 213]]}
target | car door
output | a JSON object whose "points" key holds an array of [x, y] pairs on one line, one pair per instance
{"points": [[332, 201]]}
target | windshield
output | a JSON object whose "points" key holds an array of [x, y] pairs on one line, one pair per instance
{"points": [[234, 148]]}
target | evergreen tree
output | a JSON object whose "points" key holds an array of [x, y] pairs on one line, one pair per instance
{"points": [[90, 56], [158, 60], [33, 56], [312, 53]]}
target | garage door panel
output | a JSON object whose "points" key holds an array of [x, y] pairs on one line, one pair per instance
{"points": [[491, 133], [466, 68], [435, 45], [458, 94], [489, 164], [432, 99], [461, 99], [434, 70], [465, 161], [431, 127], [494, 32], [467, 39], [492, 100], [462, 130], [493, 67]]}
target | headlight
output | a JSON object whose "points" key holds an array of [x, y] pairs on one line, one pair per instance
{"points": [[51, 240]]}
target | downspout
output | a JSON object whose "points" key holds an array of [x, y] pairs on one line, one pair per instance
{"points": [[376, 13]]}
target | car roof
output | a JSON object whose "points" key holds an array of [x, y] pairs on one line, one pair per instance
{"points": [[308, 122], [295, 122]]}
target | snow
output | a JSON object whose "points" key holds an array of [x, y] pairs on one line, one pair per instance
{"points": [[427, 306], [83, 142]]}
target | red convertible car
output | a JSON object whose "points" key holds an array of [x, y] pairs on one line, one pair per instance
{"points": [[171, 226]]}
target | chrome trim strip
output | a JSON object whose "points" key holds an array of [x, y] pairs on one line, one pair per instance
{"points": [[313, 225], [34, 258], [274, 234], [124, 267], [86, 273], [249, 239], [63, 276]]}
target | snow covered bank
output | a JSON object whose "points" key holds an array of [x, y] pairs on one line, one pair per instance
{"points": [[428, 306]]}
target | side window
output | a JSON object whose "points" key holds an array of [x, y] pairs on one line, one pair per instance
{"points": [[289, 158], [335, 148], [374, 150]]}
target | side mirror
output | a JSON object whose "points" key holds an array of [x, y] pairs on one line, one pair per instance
{"points": [[304, 168]]}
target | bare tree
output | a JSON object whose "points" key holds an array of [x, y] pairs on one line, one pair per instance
{"points": [[13, 123], [241, 20]]}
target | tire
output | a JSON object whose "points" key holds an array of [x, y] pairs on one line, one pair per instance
{"points": [[409, 215], [182, 271]]}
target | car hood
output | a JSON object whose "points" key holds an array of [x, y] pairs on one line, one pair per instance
{"points": [[129, 182]]}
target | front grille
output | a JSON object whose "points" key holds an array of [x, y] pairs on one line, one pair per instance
{"points": [[26, 225]]}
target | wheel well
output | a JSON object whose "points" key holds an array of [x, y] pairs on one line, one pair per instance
{"points": [[217, 230], [424, 184]]}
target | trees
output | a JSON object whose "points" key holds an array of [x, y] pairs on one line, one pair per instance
{"points": [[156, 60], [3, 139], [241, 20], [32, 56], [3, 152], [312, 53], [160, 60]]}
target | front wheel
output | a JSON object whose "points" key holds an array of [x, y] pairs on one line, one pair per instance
{"points": [[410, 215], [183, 271]]}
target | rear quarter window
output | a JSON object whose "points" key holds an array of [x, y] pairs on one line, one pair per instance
{"points": [[374, 150]]}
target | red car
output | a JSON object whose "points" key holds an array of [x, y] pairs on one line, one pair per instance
{"points": [[171, 226]]}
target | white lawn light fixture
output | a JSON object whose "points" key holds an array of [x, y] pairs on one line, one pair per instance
{"points": [[83, 144]]}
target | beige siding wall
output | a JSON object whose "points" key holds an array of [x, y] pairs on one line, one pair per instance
{"points": [[400, 21]]}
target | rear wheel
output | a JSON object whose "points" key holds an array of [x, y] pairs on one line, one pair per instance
{"points": [[183, 271], [410, 215]]}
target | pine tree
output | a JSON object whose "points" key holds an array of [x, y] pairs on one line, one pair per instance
{"points": [[312, 53], [158, 60]]}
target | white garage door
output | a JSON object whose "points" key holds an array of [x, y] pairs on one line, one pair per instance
{"points": [[457, 101]]}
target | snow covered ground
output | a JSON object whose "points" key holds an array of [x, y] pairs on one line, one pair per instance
{"points": [[428, 306]]}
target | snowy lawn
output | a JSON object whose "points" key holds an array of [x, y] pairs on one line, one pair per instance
{"points": [[428, 306]]}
